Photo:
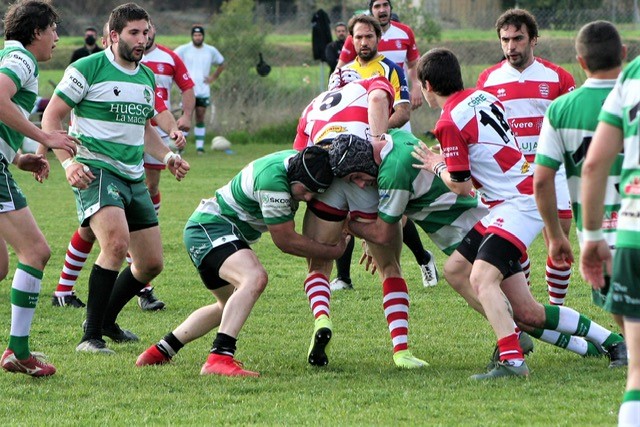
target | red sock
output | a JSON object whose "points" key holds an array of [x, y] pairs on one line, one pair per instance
{"points": [[557, 282], [77, 253], [156, 202], [395, 301], [509, 348], [317, 288]]}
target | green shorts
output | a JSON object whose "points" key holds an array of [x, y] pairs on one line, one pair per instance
{"points": [[599, 296], [11, 197], [111, 190], [200, 239], [624, 294], [203, 102]]}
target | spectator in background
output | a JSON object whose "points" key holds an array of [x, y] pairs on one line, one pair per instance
{"points": [[332, 51], [199, 57], [396, 43], [90, 46]]}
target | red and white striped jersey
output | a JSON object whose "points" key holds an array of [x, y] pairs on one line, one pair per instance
{"points": [[526, 96], [475, 137], [168, 68], [339, 111], [397, 43]]}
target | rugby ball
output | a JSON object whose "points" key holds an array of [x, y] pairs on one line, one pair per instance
{"points": [[220, 143]]}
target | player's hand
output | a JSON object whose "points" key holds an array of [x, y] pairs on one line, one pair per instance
{"points": [[184, 124], [595, 261], [60, 140], [178, 138], [416, 97], [427, 158], [367, 259], [34, 163], [178, 167], [560, 252], [79, 175]]}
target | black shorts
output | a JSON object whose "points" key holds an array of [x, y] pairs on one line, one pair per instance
{"points": [[209, 268], [493, 249]]}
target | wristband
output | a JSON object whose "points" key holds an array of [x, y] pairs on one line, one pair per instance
{"points": [[439, 168], [68, 162], [592, 235], [170, 155]]}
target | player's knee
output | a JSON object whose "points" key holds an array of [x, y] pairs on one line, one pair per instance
{"points": [[257, 281]]}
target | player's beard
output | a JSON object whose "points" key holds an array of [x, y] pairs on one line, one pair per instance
{"points": [[128, 53], [373, 52], [198, 43]]}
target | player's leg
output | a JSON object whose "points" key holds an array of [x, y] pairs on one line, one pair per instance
{"points": [[147, 299], [395, 299], [18, 228], [343, 269], [558, 277], [109, 224], [245, 272], [424, 258], [327, 229], [75, 258], [199, 130], [622, 300], [4, 260]]}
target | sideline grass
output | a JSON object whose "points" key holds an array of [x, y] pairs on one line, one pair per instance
{"points": [[360, 386]]}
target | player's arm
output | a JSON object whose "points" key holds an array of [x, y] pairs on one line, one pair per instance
{"points": [[545, 194], [402, 105], [606, 144], [380, 101], [154, 146], [213, 77], [459, 182], [286, 238], [167, 123], [416, 93], [379, 232], [188, 105], [12, 116]]}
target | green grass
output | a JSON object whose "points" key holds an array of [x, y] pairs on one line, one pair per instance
{"points": [[360, 386]]}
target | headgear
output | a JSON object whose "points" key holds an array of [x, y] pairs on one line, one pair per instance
{"points": [[342, 76], [350, 153], [311, 168]]}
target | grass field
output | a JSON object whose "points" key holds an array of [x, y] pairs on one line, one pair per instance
{"points": [[360, 386]]}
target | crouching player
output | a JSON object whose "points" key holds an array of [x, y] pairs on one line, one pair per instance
{"points": [[263, 197]]}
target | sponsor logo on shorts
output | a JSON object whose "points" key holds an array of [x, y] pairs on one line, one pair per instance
{"points": [[113, 191]]}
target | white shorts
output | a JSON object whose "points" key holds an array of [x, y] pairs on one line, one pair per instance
{"points": [[346, 197], [516, 220]]}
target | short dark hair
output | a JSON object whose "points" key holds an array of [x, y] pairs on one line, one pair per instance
{"points": [[441, 69], [518, 18], [339, 24], [125, 13], [91, 28], [600, 45], [24, 17], [367, 20]]}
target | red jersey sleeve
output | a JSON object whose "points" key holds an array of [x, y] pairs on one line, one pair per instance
{"points": [[181, 75], [413, 54], [348, 52], [453, 146], [567, 82]]}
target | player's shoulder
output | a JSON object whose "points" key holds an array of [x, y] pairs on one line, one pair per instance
{"points": [[401, 28], [166, 50], [552, 66]]}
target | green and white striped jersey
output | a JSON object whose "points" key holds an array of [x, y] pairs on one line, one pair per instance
{"points": [[110, 108], [621, 110], [568, 127], [258, 196], [404, 189], [21, 67]]}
